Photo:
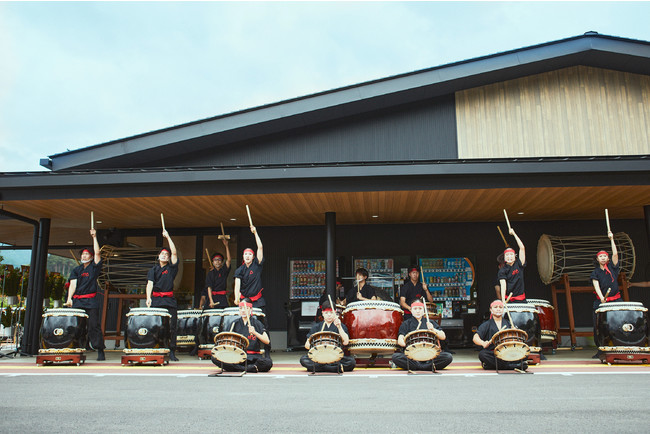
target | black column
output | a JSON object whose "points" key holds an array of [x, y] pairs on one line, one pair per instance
{"points": [[199, 274], [646, 214], [330, 255], [37, 272]]}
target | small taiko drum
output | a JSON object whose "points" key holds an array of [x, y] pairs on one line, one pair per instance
{"points": [[546, 314], [210, 326], [622, 324], [187, 326], [230, 348], [325, 347], [525, 317], [373, 326], [231, 314], [64, 328], [421, 345], [510, 345], [147, 327]]}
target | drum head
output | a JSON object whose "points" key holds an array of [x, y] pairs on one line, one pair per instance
{"points": [[545, 259], [422, 351], [230, 354], [511, 351], [325, 354]]}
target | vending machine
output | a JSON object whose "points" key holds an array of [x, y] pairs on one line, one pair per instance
{"points": [[381, 275]]}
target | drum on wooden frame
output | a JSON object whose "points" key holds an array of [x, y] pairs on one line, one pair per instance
{"points": [[546, 314], [64, 328], [622, 324], [210, 326], [325, 347], [525, 317], [422, 345], [147, 327], [373, 326], [188, 326], [230, 348]]}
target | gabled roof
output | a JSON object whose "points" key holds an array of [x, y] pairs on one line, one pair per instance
{"points": [[590, 49]]}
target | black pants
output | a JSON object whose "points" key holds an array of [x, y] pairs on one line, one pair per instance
{"points": [[489, 361], [593, 318], [256, 363], [441, 362], [95, 335], [173, 325], [347, 363]]}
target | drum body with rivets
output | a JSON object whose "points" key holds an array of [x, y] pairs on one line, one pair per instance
{"points": [[147, 327], [64, 328]]}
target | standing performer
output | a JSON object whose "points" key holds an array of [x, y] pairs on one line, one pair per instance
{"points": [[248, 277], [253, 329], [413, 290], [483, 338], [605, 280], [82, 293], [330, 323], [511, 275], [217, 278], [160, 286], [417, 322], [363, 291]]}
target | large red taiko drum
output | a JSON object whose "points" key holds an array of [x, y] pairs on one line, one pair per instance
{"points": [[373, 326]]}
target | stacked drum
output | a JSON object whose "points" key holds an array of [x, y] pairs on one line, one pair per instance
{"points": [[147, 336], [622, 331], [373, 327], [525, 318], [546, 313], [209, 326], [188, 327], [64, 336]]}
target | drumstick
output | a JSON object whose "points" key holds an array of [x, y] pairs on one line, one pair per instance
{"points": [[74, 257], [248, 211], [426, 313], [92, 220], [507, 221], [222, 231], [162, 220], [606, 295], [209, 260], [607, 220], [502, 237]]}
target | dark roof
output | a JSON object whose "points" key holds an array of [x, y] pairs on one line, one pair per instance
{"points": [[590, 49]]}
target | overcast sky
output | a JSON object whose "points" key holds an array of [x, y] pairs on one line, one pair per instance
{"points": [[78, 74]]}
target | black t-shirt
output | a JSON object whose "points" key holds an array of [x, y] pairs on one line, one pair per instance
{"points": [[318, 327], [486, 330], [251, 281], [242, 329], [216, 280], [607, 280], [86, 284], [411, 325], [514, 276], [367, 291], [163, 281], [411, 292]]}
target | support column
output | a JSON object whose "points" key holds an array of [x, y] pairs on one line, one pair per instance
{"points": [[34, 310], [199, 274], [330, 258], [646, 214]]}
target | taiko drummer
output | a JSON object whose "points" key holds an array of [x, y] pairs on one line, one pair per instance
{"points": [[605, 279], [483, 338], [511, 275], [82, 293], [418, 322], [330, 323], [250, 327], [412, 290], [363, 290], [248, 277], [217, 278]]}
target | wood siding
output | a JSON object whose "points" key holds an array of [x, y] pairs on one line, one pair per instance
{"points": [[577, 111]]}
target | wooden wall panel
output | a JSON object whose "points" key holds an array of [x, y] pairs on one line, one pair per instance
{"points": [[577, 111]]}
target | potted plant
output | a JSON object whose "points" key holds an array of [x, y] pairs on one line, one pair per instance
{"points": [[58, 287], [12, 284]]}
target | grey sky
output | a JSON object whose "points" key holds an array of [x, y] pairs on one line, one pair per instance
{"points": [[78, 74]]}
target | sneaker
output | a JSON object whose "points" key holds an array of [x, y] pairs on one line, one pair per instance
{"points": [[100, 355], [392, 365]]}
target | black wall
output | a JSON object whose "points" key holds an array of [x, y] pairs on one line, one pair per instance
{"points": [[478, 240]]}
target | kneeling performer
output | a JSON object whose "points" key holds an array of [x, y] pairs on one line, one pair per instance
{"points": [[417, 322], [331, 323], [483, 338], [251, 328]]}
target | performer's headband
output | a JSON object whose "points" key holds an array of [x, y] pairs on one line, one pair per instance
{"points": [[602, 252], [496, 303], [417, 303], [165, 249], [85, 250], [249, 250], [245, 304], [217, 255], [509, 250], [413, 269], [328, 309]]}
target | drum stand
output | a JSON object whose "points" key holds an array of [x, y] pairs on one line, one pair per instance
{"points": [[409, 372], [339, 370], [237, 374], [519, 371]]}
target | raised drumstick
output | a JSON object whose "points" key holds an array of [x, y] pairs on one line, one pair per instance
{"points": [[426, 313], [223, 235], [507, 221], [92, 220], [209, 260], [248, 211], [607, 220], [502, 237], [162, 220]]}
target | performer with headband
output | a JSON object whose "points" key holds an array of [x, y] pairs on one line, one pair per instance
{"points": [[253, 329], [160, 288], [412, 290], [248, 277], [511, 275], [82, 292], [605, 279], [217, 278], [363, 291], [483, 338], [330, 323], [418, 322], [323, 297]]}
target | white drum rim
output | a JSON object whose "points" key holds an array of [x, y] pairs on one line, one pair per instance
{"points": [[372, 304], [540, 302], [621, 306], [79, 313]]}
